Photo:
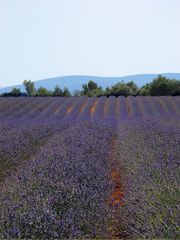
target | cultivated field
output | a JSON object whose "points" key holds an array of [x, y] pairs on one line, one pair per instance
{"points": [[87, 168], [84, 108]]}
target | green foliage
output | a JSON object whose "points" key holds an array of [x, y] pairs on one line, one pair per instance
{"points": [[122, 89], [91, 89], [42, 92], [58, 92], [92, 85], [96, 92], [16, 92], [30, 88], [134, 87], [145, 90], [66, 92], [161, 86]]}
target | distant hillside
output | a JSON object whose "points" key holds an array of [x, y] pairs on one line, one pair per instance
{"points": [[75, 82]]}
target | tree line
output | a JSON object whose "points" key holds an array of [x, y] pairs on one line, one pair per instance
{"points": [[160, 86]]}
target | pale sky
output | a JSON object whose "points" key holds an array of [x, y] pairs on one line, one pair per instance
{"points": [[48, 38]]}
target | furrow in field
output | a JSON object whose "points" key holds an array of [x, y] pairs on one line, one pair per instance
{"points": [[168, 105], [129, 108], [116, 199], [58, 108], [152, 108], [159, 108], [121, 109], [43, 108], [93, 108], [72, 107], [110, 108], [98, 109], [67, 180], [135, 107], [88, 109], [146, 106], [53, 108], [4, 104], [164, 105], [13, 106], [76, 109], [65, 108], [17, 144], [174, 104], [23, 110], [34, 109], [141, 107]]}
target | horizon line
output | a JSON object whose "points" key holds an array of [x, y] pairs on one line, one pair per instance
{"points": [[89, 75]]}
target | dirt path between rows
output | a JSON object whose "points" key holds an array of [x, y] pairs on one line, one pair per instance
{"points": [[116, 199]]}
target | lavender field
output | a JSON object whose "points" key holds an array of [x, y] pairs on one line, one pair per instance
{"points": [[89, 168]]}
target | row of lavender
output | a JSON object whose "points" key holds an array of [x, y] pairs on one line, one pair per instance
{"points": [[56, 177], [65, 108], [60, 189], [148, 156]]}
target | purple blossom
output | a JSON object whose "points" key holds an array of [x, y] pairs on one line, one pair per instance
{"points": [[56, 160]]}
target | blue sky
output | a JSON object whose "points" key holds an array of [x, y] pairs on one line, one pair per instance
{"points": [[48, 38]]}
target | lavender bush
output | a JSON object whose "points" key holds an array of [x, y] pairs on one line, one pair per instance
{"points": [[89, 168], [62, 191], [149, 162]]}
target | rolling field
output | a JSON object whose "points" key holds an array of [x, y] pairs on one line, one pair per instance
{"points": [[89, 168], [84, 108]]}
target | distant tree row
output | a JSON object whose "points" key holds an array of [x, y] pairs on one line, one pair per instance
{"points": [[160, 86], [31, 91]]}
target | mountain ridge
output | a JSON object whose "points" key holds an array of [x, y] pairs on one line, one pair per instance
{"points": [[74, 82]]}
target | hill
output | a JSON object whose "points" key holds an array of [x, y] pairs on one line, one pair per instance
{"points": [[75, 82]]}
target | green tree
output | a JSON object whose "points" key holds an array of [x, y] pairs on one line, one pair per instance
{"points": [[134, 87], [92, 85], [176, 92], [66, 92], [58, 92], [42, 92], [16, 92], [91, 89], [96, 92], [145, 90], [108, 91], [85, 90], [161, 86], [122, 89], [30, 88], [173, 87]]}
